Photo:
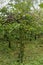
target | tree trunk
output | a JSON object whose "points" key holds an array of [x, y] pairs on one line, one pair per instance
{"points": [[21, 48], [7, 39]]}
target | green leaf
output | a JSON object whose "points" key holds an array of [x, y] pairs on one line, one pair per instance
{"points": [[41, 5]]}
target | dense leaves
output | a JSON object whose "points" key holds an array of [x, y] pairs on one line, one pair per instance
{"points": [[18, 23]]}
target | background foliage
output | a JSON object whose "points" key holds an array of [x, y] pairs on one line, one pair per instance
{"points": [[21, 32]]}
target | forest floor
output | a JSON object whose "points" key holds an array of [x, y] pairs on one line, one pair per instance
{"points": [[33, 53]]}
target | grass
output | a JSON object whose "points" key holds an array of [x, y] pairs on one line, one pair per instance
{"points": [[33, 54]]}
